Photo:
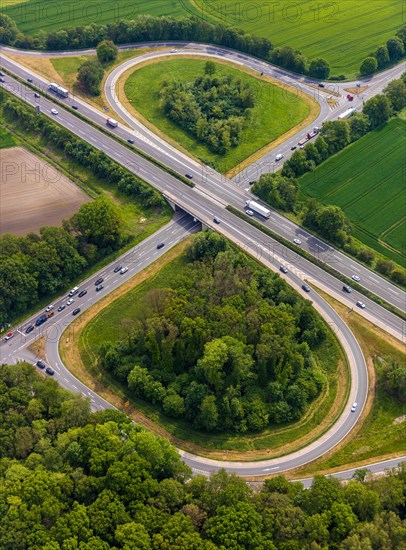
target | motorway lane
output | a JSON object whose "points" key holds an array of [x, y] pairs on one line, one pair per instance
{"points": [[135, 259], [207, 203], [219, 187]]}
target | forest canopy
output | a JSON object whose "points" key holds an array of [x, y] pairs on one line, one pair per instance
{"points": [[75, 480], [214, 109], [226, 346]]}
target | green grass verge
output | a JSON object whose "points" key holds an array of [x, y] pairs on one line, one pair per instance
{"points": [[276, 111], [343, 32], [6, 139], [379, 435], [317, 262], [366, 180], [110, 325]]}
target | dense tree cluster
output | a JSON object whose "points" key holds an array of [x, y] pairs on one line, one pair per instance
{"points": [[106, 51], [392, 52], [214, 109], [90, 76], [228, 346], [75, 480], [35, 266], [146, 28]]}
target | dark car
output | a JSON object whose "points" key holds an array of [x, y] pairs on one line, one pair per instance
{"points": [[130, 141], [29, 79], [117, 268], [41, 364], [160, 245], [83, 293], [346, 288], [99, 288], [50, 371], [39, 321], [189, 176], [75, 107], [283, 269], [306, 288], [29, 329], [76, 311], [2, 79], [62, 307], [252, 182], [321, 85], [99, 281], [293, 148]]}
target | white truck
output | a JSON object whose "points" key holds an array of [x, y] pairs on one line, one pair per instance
{"points": [[258, 208], [346, 114], [111, 122], [53, 87]]}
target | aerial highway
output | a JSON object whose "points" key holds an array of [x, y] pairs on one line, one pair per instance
{"points": [[234, 192], [205, 203]]}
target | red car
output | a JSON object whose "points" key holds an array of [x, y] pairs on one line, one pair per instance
{"points": [[9, 335], [350, 97]]}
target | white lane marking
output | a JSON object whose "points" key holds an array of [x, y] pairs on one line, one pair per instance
{"points": [[268, 469], [73, 386]]}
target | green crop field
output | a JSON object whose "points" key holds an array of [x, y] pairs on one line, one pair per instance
{"points": [[34, 15], [275, 112], [6, 139], [343, 31], [367, 180]]}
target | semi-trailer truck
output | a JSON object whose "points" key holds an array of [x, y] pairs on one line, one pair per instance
{"points": [[258, 208], [111, 122], [346, 114], [63, 92]]}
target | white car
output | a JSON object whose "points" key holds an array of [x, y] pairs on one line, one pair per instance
{"points": [[355, 278], [354, 407], [279, 157], [124, 270], [249, 212], [50, 308], [297, 241], [70, 302], [174, 50], [54, 111], [361, 304]]}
